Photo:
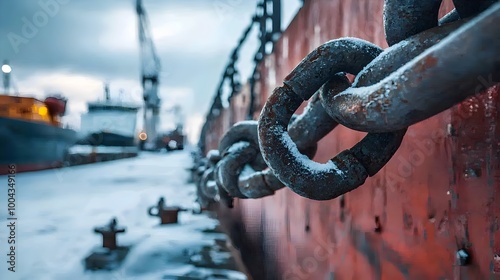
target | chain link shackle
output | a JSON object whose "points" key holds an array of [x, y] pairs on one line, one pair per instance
{"points": [[350, 168], [206, 188], [305, 130], [443, 75]]}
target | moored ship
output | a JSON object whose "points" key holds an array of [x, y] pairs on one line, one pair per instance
{"points": [[32, 136], [109, 123]]}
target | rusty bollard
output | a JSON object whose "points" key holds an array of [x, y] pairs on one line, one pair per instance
{"points": [[109, 233], [109, 256], [168, 215]]}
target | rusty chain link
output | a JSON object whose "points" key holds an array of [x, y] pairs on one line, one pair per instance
{"points": [[349, 169], [206, 189], [432, 82], [394, 88], [239, 147]]}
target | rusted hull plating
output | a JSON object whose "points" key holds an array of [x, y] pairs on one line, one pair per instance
{"points": [[438, 195]]}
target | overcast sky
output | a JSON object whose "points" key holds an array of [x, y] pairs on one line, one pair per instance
{"points": [[73, 46]]}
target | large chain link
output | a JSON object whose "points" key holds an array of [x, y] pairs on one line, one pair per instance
{"points": [[306, 130], [432, 82], [427, 69], [349, 169], [206, 191], [239, 146]]}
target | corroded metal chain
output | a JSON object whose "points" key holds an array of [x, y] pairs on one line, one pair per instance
{"points": [[424, 65], [203, 178], [240, 148], [432, 82], [240, 171], [349, 169]]}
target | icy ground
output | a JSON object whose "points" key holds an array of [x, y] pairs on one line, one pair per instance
{"points": [[57, 211]]}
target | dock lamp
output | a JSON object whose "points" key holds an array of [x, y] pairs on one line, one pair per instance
{"points": [[6, 69]]}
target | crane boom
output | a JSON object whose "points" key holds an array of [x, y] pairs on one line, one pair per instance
{"points": [[150, 71]]}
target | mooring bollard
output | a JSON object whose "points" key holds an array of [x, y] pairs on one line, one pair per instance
{"points": [[110, 255], [109, 233], [168, 215]]}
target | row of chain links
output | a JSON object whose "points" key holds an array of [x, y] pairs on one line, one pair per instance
{"points": [[430, 66]]}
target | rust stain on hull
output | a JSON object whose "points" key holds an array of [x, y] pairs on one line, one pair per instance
{"points": [[438, 194]]}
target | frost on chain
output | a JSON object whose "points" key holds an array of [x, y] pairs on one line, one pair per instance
{"points": [[305, 163], [247, 171], [238, 146], [212, 153], [247, 122]]}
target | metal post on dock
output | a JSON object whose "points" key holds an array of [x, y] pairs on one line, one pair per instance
{"points": [[109, 233]]}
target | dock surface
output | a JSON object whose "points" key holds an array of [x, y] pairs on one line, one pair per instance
{"points": [[57, 210]]}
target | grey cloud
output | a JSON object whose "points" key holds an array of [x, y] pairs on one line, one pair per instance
{"points": [[70, 41]]}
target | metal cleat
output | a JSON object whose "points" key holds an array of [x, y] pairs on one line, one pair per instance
{"points": [[109, 233], [168, 215], [109, 256]]}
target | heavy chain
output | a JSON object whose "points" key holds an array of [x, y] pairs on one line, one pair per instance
{"points": [[350, 168], [239, 147], [384, 65], [426, 70], [432, 82], [203, 173]]}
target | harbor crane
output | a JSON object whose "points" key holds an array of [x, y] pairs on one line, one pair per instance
{"points": [[150, 71]]}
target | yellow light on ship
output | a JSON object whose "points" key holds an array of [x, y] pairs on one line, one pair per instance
{"points": [[42, 111], [143, 136], [6, 68]]}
